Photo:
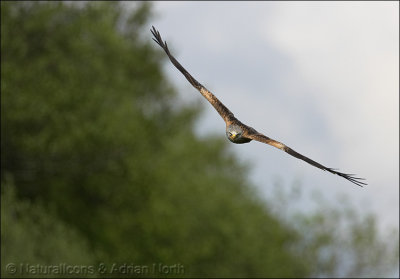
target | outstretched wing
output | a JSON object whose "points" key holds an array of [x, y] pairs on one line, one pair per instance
{"points": [[225, 113], [262, 138]]}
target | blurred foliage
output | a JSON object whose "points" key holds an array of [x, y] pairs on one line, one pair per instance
{"points": [[31, 235], [100, 164], [337, 240]]}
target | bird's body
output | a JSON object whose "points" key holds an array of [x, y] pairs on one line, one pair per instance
{"points": [[236, 131]]}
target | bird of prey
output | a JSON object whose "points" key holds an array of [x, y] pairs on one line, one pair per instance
{"points": [[236, 131]]}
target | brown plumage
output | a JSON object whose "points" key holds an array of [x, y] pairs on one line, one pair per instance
{"points": [[236, 131]]}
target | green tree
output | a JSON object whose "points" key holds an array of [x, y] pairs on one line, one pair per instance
{"points": [[336, 239], [91, 128], [31, 235]]}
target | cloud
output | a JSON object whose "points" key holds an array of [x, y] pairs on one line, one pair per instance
{"points": [[350, 53], [321, 77]]}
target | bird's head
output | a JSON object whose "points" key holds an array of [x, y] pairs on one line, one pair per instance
{"points": [[234, 133]]}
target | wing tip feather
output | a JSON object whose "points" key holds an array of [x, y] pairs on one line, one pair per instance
{"points": [[350, 177]]}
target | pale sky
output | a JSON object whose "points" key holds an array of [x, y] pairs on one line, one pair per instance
{"points": [[321, 77]]}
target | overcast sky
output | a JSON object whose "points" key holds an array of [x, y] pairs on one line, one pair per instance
{"points": [[321, 77]]}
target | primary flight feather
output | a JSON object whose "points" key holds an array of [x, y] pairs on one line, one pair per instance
{"points": [[236, 131]]}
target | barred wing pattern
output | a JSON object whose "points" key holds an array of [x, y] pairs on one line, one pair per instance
{"points": [[264, 139], [225, 113]]}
